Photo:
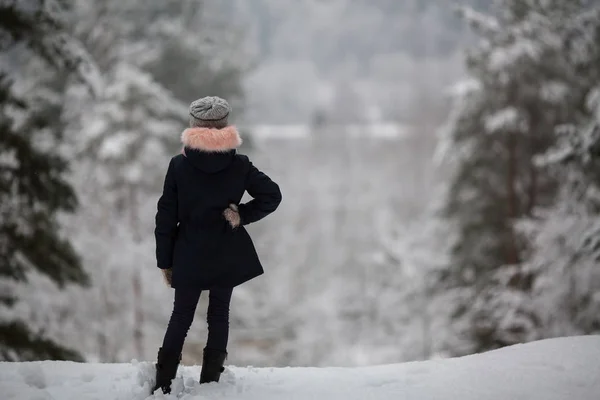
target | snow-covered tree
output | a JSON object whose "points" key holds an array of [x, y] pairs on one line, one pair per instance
{"points": [[125, 141], [200, 52], [565, 237], [520, 90], [34, 190], [121, 142]]}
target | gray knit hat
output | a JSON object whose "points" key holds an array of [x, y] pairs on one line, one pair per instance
{"points": [[209, 112]]}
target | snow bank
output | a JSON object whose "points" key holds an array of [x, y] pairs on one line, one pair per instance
{"points": [[556, 369]]}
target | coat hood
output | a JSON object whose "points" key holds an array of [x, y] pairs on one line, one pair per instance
{"points": [[210, 149], [212, 140]]}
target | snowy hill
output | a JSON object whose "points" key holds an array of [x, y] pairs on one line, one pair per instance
{"points": [[556, 369]]}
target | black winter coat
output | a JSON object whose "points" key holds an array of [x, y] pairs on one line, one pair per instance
{"points": [[192, 235]]}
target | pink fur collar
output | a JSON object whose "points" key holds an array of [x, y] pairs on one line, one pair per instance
{"points": [[211, 140]]}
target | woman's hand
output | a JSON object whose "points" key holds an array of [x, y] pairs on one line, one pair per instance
{"points": [[168, 275], [232, 215]]}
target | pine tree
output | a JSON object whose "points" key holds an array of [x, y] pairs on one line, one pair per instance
{"points": [[33, 190], [565, 253], [519, 92]]}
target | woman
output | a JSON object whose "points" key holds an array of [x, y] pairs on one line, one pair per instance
{"points": [[201, 243]]}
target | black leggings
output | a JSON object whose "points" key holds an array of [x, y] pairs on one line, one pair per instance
{"points": [[186, 300]]}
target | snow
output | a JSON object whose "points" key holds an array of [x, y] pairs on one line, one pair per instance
{"points": [[508, 118], [554, 92], [67, 48], [593, 102], [553, 369], [463, 88], [479, 20], [381, 130], [503, 58], [33, 375], [280, 131]]}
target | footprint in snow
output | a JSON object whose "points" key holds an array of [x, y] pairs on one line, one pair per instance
{"points": [[33, 375]]}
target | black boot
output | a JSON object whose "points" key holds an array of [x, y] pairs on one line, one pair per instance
{"points": [[212, 365], [166, 369]]}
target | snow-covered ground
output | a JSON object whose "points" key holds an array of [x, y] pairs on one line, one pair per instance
{"points": [[556, 369]]}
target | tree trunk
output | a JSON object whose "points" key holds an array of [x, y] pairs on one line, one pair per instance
{"points": [[512, 256], [138, 312], [532, 192], [533, 189], [138, 334], [101, 336]]}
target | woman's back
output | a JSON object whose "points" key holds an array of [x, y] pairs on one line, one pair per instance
{"points": [[201, 242], [193, 237]]}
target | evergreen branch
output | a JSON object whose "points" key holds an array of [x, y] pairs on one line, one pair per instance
{"points": [[18, 343]]}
